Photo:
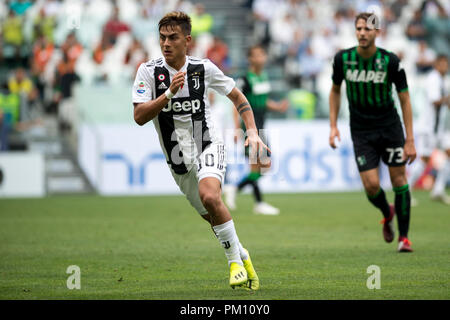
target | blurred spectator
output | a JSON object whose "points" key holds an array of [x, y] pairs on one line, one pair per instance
{"points": [[103, 46], [183, 5], [12, 30], [52, 8], [282, 35], [388, 16], [71, 47], [114, 27], [22, 85], [218, 54], [144, 26], [397, 8], [9, 115], [3, 131], [65, 76], [202, 22], [135, 54], [310, 23], [13, 39], [64, 80], [20, 6], [415, 29], [438, 28], [44, 24], [297, 8], [425, 58], [324, 43], [291, 63], [154, 9], [42, 52], [310, 67], [262, 14]]}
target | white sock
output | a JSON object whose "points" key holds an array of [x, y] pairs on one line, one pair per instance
{"points": [[441, 179], [243, 254], [226, 233], [416, 173]]}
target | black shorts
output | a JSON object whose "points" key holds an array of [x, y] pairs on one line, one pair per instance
{"points": [[385, 143]]}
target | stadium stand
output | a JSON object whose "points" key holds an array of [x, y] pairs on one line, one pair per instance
{"points": [[67, 49]]}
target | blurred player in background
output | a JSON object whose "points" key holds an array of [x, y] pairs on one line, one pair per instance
{"points": [[255, 86], [172, 91], [435, 129], [375, 126]]}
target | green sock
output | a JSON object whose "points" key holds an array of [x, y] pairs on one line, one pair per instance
{"points": [[379, 201], [403, 208]]}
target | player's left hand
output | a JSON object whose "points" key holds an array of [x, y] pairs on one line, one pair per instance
{"points": [[258, 150], [409, 151]]}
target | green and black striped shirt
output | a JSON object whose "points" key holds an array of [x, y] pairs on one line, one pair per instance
{"points": [[256, 88], [369, 86]]}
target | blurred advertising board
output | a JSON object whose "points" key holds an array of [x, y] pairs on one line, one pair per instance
{"points": [[22, 174]]}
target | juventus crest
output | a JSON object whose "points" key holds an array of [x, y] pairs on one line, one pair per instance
{"points": [[196, 79]]}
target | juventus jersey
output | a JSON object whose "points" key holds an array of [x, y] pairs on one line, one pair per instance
{"points": [[432, 119], [184, 125]]}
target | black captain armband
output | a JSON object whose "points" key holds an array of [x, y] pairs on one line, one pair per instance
{"points": [[243, 107]]}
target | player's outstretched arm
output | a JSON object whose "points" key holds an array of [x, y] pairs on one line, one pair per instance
{"points": [[409, 150], [245, 111], [335, 104], [144, 112], [280, 106]]}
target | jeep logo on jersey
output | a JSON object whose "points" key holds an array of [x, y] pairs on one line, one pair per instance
{"points": [[183, 106], [363, 76]]}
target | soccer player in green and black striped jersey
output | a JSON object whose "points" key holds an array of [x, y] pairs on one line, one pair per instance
{"points": [[255, 86], [375, 126]]}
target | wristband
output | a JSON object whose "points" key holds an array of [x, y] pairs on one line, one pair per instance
{"points": [[169, 94]]}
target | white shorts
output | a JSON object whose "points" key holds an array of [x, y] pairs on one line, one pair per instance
{"points": [[428, 141], [211, 163]]}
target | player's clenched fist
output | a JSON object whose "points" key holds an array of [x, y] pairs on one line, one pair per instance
{"points": [[177, 82]]}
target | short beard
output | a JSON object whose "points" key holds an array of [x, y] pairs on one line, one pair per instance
{"points": [[368, 45]]}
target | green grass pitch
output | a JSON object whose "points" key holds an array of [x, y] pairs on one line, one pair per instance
{"points": [[319, 247]]}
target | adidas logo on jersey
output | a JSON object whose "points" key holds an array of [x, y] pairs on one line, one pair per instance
{"points": [[186, 106], [362, 76], [162, 86]]}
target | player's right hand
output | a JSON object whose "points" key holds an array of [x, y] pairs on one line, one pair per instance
{"points": [[334, 132], [258, 150], [177, 82]]}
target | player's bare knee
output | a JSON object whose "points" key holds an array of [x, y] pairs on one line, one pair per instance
{"points": [[399, 181], [210, 199], [372, 187]]}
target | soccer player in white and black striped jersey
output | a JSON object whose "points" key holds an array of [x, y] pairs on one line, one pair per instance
{"points": [[434, 128], [172, 91]]}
